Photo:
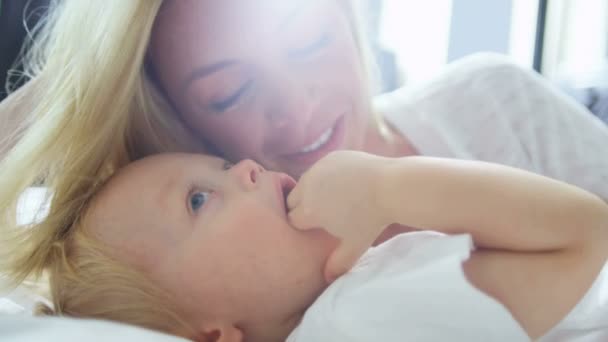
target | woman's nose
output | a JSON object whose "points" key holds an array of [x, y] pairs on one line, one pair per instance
{"points": [[247, 173], [292, 103]]}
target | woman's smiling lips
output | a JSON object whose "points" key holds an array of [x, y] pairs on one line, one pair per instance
{"points": [[329, 140]]}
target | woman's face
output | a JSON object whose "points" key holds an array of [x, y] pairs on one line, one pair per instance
{"points": [[278, 81]]}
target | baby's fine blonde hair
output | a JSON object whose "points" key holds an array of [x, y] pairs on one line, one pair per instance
{"points": [[94, 110], [86, 281]]}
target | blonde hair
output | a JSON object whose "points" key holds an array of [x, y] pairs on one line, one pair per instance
{"points": [[86, 281], [354, 10], [95, 109]]}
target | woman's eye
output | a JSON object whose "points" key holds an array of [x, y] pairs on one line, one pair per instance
{"points": [[198, 199], [228, 102], [312, 48]]}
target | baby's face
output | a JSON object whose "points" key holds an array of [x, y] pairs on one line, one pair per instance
{"points": [[215, 236]]}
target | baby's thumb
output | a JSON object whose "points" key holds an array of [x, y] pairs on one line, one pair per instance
{"points": [[293, 199], [301, 218]]}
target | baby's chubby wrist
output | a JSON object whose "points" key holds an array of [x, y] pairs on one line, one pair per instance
{"points": [[384, 172], [395, 187]]}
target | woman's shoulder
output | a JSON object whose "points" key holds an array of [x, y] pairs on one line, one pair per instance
{"points": [[485, 107], [456, 113], [467, 78]]}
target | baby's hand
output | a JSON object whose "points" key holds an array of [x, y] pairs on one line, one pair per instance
{"points": [[340, 194]]}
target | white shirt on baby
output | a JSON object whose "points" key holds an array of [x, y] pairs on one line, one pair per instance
{"points": [[413, 288]]}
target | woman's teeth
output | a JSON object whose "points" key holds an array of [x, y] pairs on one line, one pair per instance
{"points": [[323, 139]]}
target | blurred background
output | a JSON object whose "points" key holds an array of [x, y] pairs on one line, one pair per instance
{"points": [[565, 40]]}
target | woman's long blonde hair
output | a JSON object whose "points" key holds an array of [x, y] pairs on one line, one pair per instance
{"points": [[94, 110]]}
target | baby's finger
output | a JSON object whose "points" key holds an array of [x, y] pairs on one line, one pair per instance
{"points": [[293, 199], [301, 218]]}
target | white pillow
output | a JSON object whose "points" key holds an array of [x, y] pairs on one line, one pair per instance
{"points": [[9, 307], [21, 328]]}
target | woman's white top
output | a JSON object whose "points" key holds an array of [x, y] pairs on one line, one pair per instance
{"points": [[411, 288], [486, 108]]}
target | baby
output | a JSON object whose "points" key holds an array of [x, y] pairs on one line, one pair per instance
{"points": [[206, 250]]}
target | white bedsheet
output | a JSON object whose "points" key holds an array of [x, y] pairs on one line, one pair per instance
{"points": [[24, 328]]}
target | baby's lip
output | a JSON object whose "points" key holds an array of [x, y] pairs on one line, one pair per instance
{"points": [[285, 184]]}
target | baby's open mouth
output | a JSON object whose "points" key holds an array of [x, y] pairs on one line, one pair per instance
{"points": [[287, 184]]}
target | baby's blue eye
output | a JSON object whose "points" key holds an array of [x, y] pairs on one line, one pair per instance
{"points": [[198, 199]]}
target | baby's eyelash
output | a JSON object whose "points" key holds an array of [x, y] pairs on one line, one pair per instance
{"points": [[227, 165]]}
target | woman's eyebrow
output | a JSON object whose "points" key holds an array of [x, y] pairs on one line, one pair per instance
{"points": [[207, 70]]}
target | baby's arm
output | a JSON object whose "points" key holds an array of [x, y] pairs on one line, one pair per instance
{"points": [[541, 242], [501, 207]]}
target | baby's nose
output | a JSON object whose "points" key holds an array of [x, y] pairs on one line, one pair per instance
{"points": [[247, 173]]}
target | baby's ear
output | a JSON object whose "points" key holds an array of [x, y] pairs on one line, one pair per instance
{"points": [[220, 333]]}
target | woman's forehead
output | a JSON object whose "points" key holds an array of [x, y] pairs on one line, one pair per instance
{"points": [[191, 34], [218, 16]]}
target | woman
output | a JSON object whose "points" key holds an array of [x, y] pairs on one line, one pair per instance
{"points": [[281, 82]]}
